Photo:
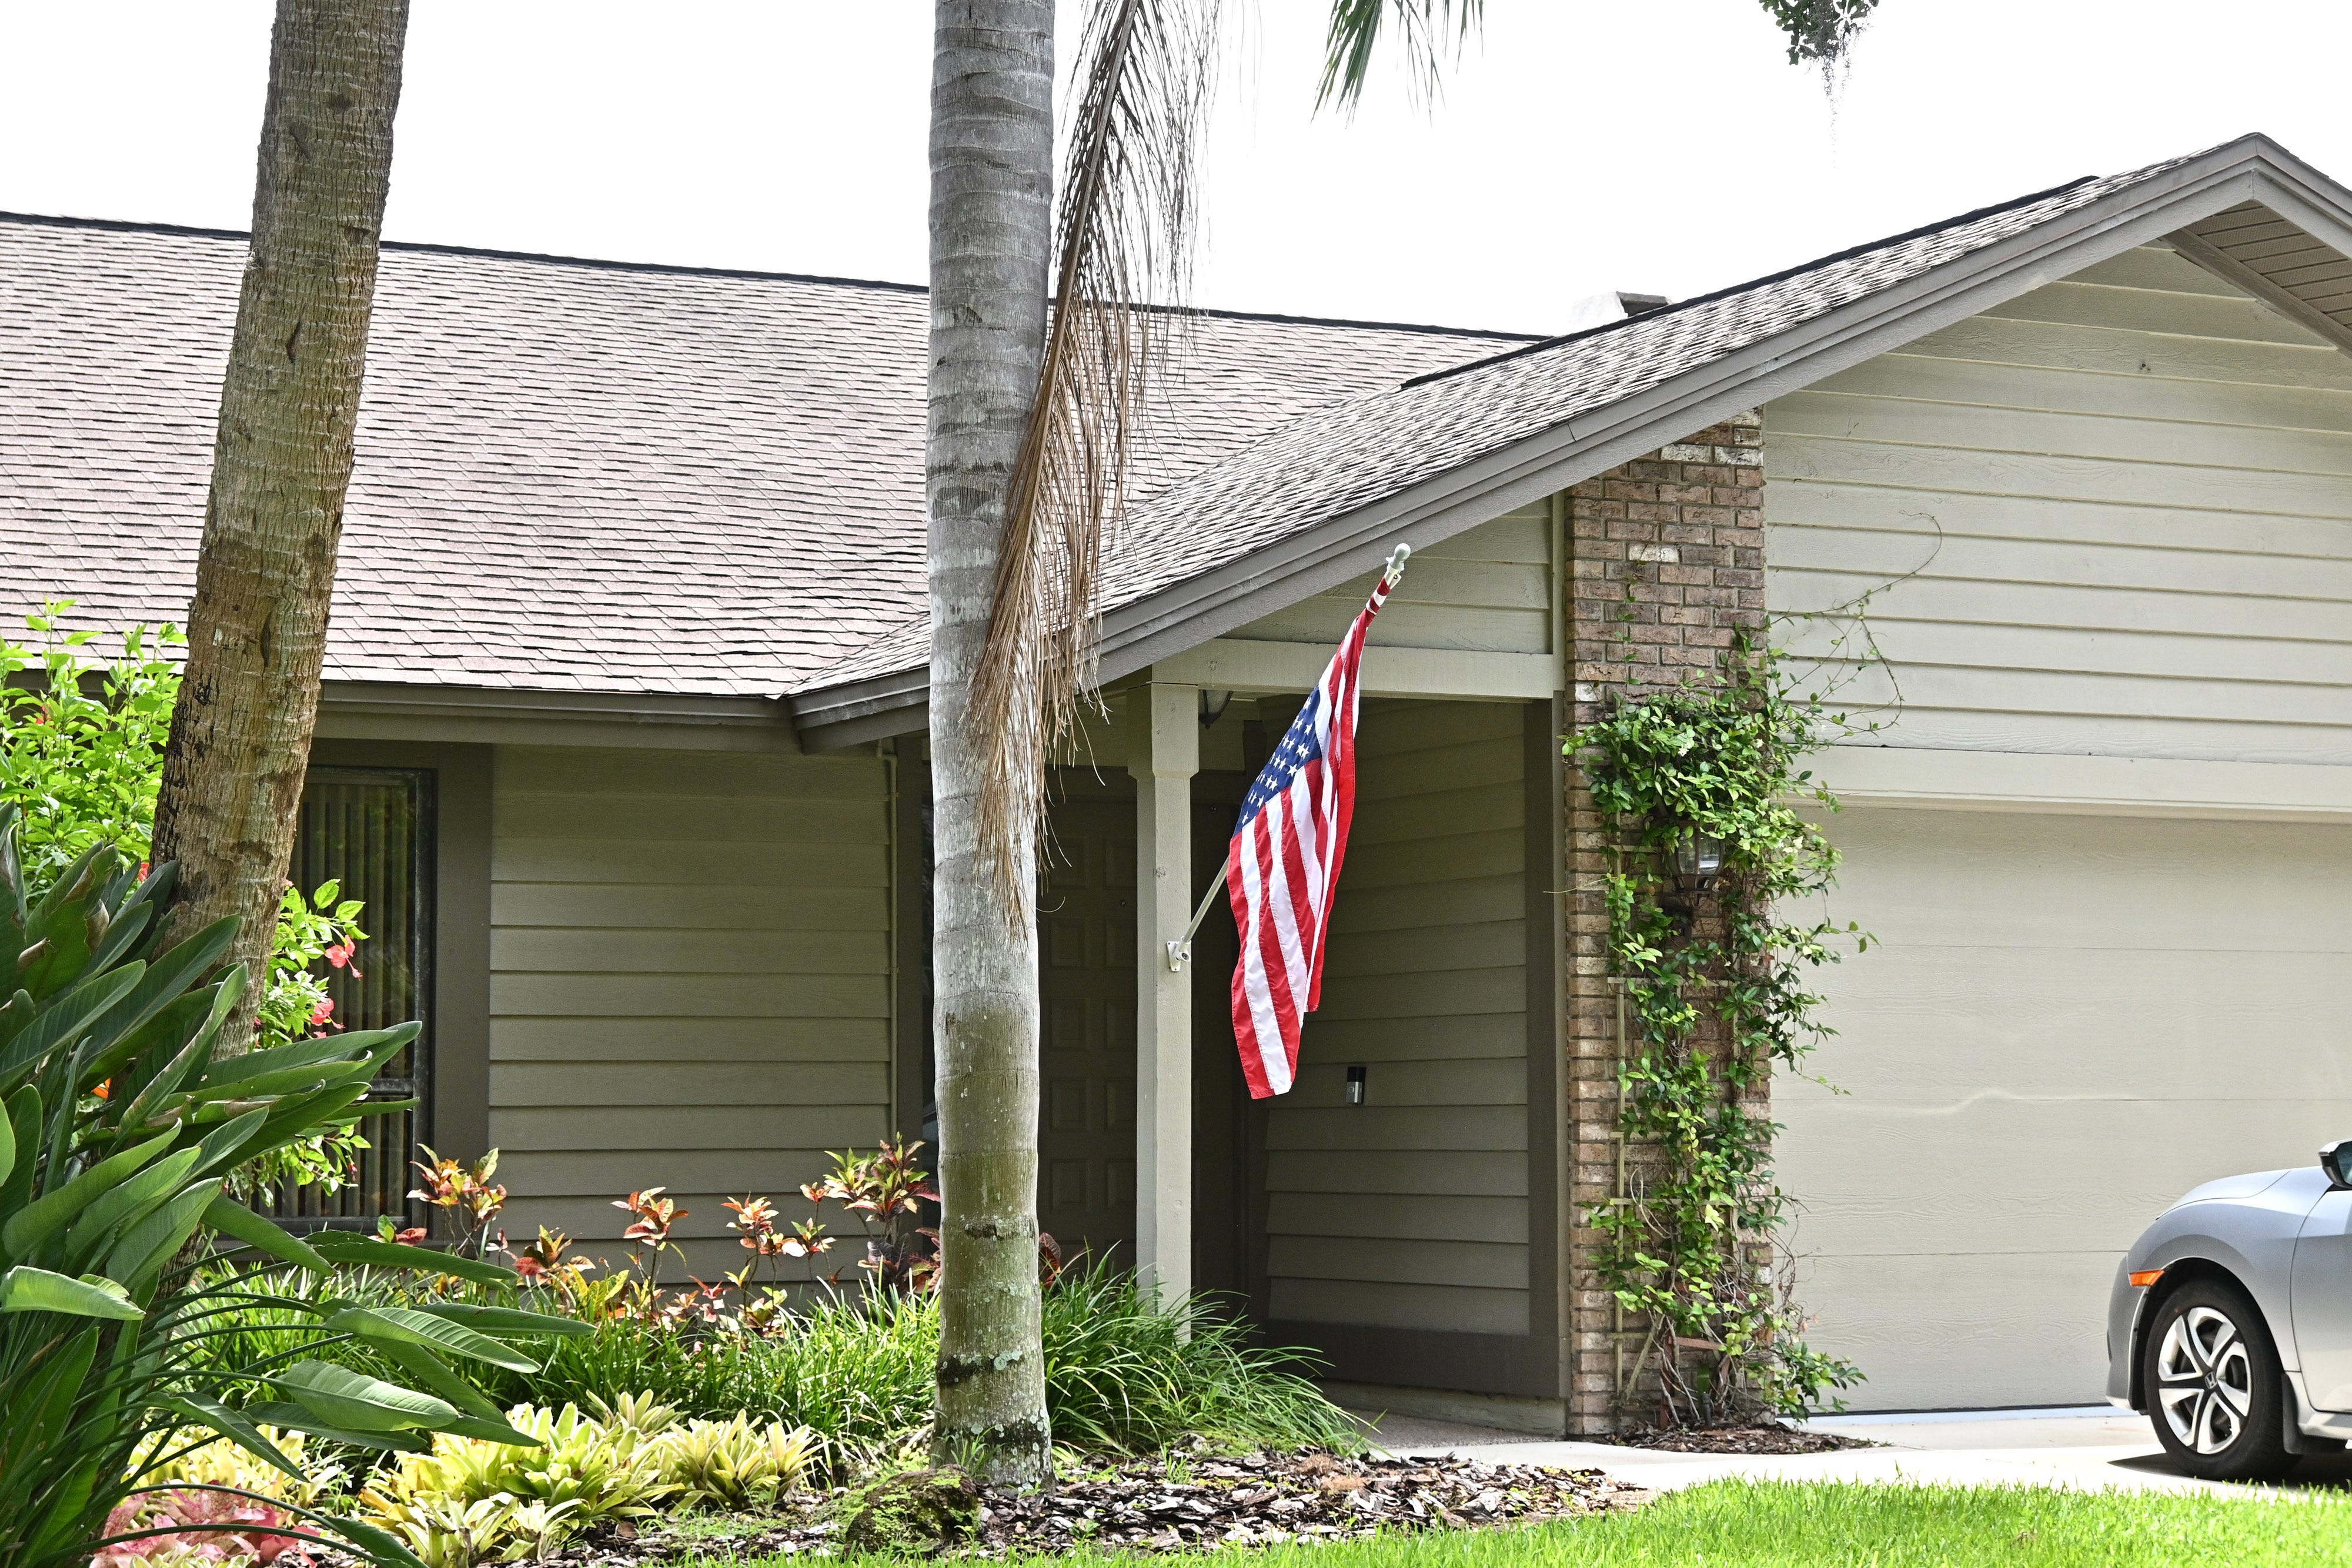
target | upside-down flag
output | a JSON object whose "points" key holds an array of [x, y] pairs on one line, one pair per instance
{"points": [[1284, 863]]}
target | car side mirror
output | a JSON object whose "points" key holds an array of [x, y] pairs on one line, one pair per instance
{"points": [[2335, 1158]]}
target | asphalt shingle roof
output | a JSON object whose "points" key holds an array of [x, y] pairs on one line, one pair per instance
{"points": [[618, 478], [571, 475], [1329, 462]]}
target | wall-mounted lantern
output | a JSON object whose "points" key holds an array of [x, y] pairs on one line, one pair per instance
{"points": [[1355, 1084], [1698, 861]]}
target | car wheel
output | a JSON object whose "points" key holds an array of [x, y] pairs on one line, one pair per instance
{"points": [[2214, 1386]]}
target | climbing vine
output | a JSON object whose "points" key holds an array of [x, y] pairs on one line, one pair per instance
{"points": [[1715, 973]]}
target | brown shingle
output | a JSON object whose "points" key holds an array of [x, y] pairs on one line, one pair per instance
{"points": [[571, 475]]}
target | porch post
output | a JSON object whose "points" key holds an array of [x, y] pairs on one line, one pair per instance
{"points": [[1164, 752]]}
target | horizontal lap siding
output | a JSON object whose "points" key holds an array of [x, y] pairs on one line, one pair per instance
{"points": [[1488, 590], [2113, 516], [1411, 1211], [690, 981]]}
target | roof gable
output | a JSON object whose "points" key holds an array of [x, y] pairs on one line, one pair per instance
{"points": [[1319, 500]]}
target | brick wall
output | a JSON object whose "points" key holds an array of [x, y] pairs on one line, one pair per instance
{"points": [[1667, 563]]}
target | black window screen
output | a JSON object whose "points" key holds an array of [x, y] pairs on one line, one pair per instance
{"points": [[371, 829]]}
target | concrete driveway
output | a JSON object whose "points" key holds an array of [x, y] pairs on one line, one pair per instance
{"points": [[2089, 1448]]}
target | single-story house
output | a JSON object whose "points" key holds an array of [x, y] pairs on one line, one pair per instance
{"points": [[622, 740]]}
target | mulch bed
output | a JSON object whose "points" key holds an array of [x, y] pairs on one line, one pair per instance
{"points": [[1257, 1500], [1756, 1438]]}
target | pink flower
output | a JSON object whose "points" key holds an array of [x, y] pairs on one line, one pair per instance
{"points": [[324, 1011]]}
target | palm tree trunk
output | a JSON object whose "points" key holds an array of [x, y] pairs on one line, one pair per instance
{"points": [[992, 234], [240, 735]]}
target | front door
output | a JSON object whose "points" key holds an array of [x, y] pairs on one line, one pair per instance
{"points": [[1086, 959]]}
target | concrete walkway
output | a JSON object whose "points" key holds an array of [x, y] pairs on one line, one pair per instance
{"points": [[2090, 1448]]}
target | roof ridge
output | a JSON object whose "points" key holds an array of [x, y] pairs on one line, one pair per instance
{"points": [[429, 247], [1770, 278]]}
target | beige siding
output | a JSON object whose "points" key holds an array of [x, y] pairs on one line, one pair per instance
{"points": [[2127, 502], [1486, 589], [2072, 1021], [1411, 1210], [690, 980]]}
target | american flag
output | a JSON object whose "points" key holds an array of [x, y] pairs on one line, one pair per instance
{"points": [[1285, 863]]}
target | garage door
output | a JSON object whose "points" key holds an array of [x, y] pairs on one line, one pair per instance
{"points": [[2073, 1020]]}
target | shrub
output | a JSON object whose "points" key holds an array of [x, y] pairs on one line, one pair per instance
{"points": [[81, 756], [1123, 1374], [120, 1127], [472, 1499]]}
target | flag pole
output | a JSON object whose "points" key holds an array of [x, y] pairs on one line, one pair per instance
{"points": [[1180, 953]]}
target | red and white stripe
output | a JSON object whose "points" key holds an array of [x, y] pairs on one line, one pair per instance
{"points": [[1284, 864]]}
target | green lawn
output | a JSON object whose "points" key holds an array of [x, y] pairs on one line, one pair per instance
{"points": [[1794, 1525]]}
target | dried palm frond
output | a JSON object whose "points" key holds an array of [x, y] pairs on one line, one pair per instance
{"points": [[1123, 248]]}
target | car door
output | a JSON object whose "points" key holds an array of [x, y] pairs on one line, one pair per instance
{"points": [[2320, 1296]]}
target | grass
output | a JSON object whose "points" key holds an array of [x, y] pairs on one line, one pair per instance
{"points": [[1787, 1524]]}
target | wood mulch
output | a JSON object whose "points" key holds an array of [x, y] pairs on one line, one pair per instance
{"points": [[1255, 1500], [1758, 1437]]}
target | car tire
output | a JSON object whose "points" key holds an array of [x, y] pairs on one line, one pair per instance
{"points": [[2214, 1386]]}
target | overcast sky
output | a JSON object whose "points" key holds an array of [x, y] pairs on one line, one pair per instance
{"points": [[1582, 145]]}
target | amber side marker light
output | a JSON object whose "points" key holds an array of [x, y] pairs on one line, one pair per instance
{"points": [[2146, 1276]]}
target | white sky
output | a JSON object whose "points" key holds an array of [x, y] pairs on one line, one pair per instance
{"points": [[1660, 146]]}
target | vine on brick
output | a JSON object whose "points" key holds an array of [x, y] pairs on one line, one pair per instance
{"points": [[1716, 992]]}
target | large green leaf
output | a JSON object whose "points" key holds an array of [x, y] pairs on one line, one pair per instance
{"points": [[342, 1247], [150, 1244], [191, 1061], [232, 1425], [378, 1544], [28, 1290], [64, 1019], [358, 1402], [232, 1218], [127, 1204], [57, 933], [507, 1323], [47, 1214], [128, 924], [170, 975], [221, 1146], [405, 1325], [420, 1364], [348, 1046], [24, 1127], [289, 1081], [290, 1417]]}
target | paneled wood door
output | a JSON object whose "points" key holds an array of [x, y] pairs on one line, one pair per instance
{"points": [[1085, 955]]}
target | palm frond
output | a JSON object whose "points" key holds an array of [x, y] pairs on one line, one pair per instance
{"points": [[1424, 27], [1123, 246]]}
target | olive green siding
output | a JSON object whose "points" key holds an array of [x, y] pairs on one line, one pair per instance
{"points": [[1411, 1211], [691, 980]]}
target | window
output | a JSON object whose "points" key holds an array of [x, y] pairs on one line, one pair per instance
{"points": [[370, 829]]}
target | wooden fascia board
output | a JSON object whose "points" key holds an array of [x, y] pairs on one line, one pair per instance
{"points": [[1237, 664], [380, 710], [1189, 614]]}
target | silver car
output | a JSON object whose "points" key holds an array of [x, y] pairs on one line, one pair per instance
{"points": [[2231, 1323]]}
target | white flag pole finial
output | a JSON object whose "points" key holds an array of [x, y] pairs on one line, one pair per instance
{"points": [[1395, 569]]}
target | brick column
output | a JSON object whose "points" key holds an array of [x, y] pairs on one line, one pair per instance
{"points": [[1666, 564]]}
